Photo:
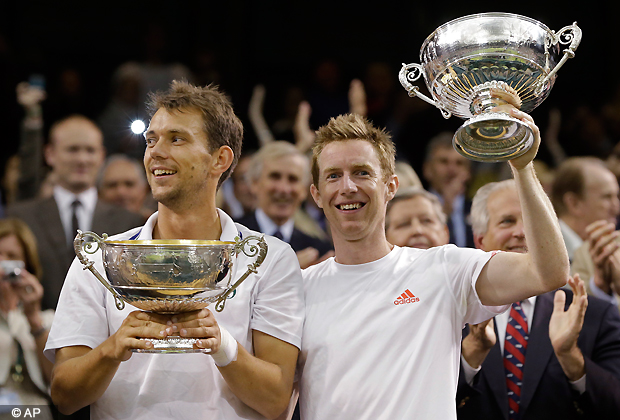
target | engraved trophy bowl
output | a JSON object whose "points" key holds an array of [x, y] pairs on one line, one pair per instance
{"points": [[169, 276], [467, 61]]}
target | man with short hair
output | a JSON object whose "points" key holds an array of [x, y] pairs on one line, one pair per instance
{"points": [[193, 143], [583, 191], [75, 153], [380, 314], [122, 182], [414, 218], [585, 196], [549, 357], [447, 172], [279, 175]]}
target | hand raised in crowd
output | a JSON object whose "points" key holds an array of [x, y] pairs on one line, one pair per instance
{"points": [[304, 135], [479, 342], [357, 98], [565, 326], [604, 252], [29, 96]]}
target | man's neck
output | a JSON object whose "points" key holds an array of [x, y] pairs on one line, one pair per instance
{"points": [[203, 224], [77, 190], [576, 224], [368, 249]]}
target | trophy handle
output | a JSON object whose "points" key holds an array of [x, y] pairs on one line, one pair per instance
{"points": [[410, 73], [568, 34], [83, 247], [259, 250]]}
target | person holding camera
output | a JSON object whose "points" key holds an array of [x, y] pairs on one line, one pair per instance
{"points": [[24, 371]]}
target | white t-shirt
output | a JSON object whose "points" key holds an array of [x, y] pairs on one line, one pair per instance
{"points": [[181, 386], [382, 340]]}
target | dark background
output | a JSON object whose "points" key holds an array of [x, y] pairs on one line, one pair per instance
{"points": [[277, 44]]}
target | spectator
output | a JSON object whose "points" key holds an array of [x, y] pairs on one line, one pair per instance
{"points": [[414, 218], [24, 372], [447, 174], [75, 153], [544, 366], [122, 182], [279, 175], [238, 197], [583, 191]]}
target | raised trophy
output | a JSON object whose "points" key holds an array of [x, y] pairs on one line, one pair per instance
{"points": [[473, 63], [170, 276]]}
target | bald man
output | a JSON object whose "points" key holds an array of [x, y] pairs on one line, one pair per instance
{"points": [[75, 153]]}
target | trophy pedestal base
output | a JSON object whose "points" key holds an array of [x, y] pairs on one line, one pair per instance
{"points": [[493, 137], [172, 345]]}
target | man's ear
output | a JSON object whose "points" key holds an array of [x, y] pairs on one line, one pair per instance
{"points": [[316, 196], [571, 202], [49, 155], [222, 159], [478, 241], [392, 187]]}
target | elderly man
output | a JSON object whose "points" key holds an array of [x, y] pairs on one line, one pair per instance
{"points": [[279, 175], [415, 218], [122, 182], [546, 358], [75, 153]]}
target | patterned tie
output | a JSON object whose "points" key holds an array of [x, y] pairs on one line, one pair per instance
{"points": [[514, 356]]}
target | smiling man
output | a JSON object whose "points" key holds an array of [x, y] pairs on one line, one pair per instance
{"points": [[279, 176], [193, 142], [381, 338]]}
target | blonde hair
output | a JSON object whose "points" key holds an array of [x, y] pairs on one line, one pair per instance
{"points": [[354, 127]]}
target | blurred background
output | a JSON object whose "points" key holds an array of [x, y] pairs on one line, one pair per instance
{"points": [[91, 53]]}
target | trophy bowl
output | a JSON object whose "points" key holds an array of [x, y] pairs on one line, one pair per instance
{"points": [[476, 62], [169, 276]]}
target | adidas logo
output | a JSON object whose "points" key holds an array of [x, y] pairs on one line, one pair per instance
{"points": [[406, 297]]}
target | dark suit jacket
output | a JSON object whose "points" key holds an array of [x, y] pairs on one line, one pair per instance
{"points": [[43, 218], [299, 240], [546, 393], [469, 234]]}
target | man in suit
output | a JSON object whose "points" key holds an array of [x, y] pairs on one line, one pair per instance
{"points": [[447, 174], [75, 153], [584, 191], [279, 176], [560, 361]]}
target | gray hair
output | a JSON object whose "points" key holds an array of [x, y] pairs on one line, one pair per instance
{"points": [[275, 150], [119, 157], [412, 192], [479, 209]]}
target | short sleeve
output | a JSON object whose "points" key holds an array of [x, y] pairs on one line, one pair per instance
{"points": [[278, 308]]}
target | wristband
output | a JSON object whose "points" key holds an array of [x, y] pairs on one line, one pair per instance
{"points": [[228, 349]]}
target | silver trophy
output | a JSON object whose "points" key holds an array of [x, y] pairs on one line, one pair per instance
{"points": [[170, 276], [466, 59]]}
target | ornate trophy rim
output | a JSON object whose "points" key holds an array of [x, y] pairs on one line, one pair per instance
{"points": [[168, 242], [443, 27]]}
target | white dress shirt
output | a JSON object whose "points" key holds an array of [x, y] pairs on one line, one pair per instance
{"points": [[84, 213], [269, 227]]}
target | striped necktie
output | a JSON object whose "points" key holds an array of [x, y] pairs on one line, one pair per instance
{"points": [[514, 357]]}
